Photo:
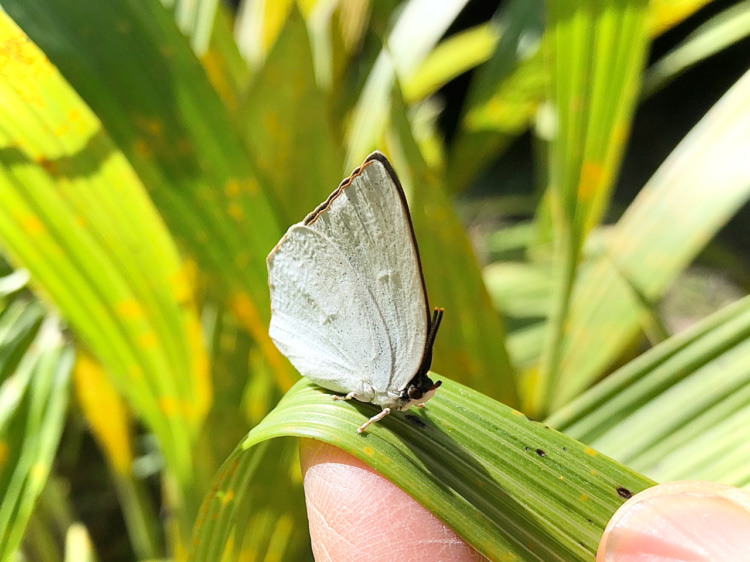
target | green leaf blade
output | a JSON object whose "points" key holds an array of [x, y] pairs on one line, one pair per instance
{"points": [[35, 368], [507, 485], [163, 113], [679, 410], [671, 220], [288, 127], [75, 214], [594, 100]]}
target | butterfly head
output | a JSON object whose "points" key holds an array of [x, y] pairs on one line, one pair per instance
{"points": [[419, 391]]}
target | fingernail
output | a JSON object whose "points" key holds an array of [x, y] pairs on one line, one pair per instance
{"points": [[691, 521]]}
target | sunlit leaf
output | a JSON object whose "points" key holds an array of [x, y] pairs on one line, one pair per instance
{"points": [[504, 94], [162, 112], [723, 30], [665, 14], [111, 424], [450, 58], [35, 367], [224, 65], [596, 52], [75, 215], [258, 26], [678, 211], [418, 29], [257, 521], [679, 411], [288, 127], [511, 487]]}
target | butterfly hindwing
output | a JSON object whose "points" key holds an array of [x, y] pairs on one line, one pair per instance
{"points": [[314, 313]]}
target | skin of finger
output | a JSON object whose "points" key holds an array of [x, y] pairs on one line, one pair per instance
{"points": [[686, 520], [356, 514]]}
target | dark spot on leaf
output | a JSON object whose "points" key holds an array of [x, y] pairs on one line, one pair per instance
{"points": [[415, 420], [565, 448], [541, 453], [624, 493], [527, 448]]}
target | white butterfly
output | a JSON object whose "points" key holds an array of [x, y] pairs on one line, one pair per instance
{"points": [[348, 301]]}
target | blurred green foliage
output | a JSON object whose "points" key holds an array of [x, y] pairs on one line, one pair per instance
{"points": [[152, 154]]}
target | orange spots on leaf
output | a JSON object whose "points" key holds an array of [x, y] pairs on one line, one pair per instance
{"points": [[252, 187], [169, 406], [182, 290], [232, 189], [135, 372], [32, 225], [167, 51], [226, 497], [247, 313], [184, 147], [236, 211], [22, 64], [148, 340], [143, 148], [592, 174], [123, 26], [155, 127], [575, 104], [4, 452], [61, 129], [105, 411], [129, 309], [152, 126], [203, 391], [49, 166]]}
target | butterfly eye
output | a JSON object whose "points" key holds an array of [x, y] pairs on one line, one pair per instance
{"points": [[414, 393]]}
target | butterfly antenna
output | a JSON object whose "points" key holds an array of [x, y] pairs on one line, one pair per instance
{"points": [[437, 317]]}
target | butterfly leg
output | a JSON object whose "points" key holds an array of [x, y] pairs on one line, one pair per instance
{"points": [[347, 397], [377, 417]]}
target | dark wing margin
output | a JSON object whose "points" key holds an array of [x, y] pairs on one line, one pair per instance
{"points": [[378, 156]]}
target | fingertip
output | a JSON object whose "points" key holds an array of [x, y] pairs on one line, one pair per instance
{"points": [[685, 520], [356, 514]]}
